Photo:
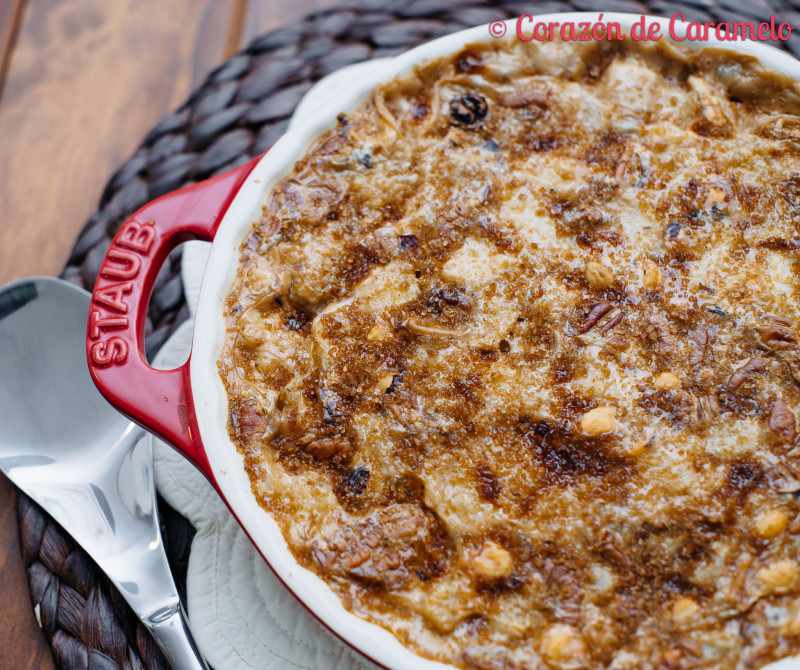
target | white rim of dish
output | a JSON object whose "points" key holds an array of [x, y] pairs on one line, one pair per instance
{"points": [[210, 397]]}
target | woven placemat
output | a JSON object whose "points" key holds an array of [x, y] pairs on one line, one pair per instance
{"points": [[240, 110]]}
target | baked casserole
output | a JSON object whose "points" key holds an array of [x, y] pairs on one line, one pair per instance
{"points": [[512, 358]]}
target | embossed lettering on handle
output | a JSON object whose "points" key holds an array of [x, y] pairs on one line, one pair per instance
{"points": [[159, 400], [131, 244]]}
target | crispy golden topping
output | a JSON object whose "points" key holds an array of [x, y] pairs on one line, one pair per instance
{"points": [[512, 358]]}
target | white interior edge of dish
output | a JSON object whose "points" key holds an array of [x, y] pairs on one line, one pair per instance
{"points": [[210, 397]]}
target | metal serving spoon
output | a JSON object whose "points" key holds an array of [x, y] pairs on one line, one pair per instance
{"points": [[83, 462]]}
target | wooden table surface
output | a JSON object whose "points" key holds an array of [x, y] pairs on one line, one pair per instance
{"points": [[81, 84]]}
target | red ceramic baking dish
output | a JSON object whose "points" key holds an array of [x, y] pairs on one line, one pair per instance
{"points": [[187, 407]]}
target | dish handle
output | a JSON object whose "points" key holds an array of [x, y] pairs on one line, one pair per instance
{"points": [[159, 400]]}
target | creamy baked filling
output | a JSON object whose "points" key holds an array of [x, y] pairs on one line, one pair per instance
{"points": [[512, 358]]}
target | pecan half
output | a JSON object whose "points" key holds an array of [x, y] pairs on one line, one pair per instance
{"points": [[328, 448], [691, 410], [685, 409], [622, 165], [250, 424], [596, 313], [753, 367], [617, 343], [777, 337], [382, 549], [613, 322], [702, 337], [609, 549], [782, 421], [667, 342], [525, 98], [408, 417]]}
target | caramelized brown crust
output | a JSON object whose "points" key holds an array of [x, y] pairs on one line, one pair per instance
{"points": [[512, 358]]}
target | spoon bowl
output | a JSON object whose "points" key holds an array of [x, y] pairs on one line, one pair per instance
{"points": [[79, 459]]}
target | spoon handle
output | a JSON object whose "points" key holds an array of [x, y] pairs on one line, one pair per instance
{"points": [[170, 629]]}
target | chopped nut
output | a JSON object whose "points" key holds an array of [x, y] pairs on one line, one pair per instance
{"points": [[712, 403], [622, 165], [702, 337], [685, 407], [525, 98], [612, 322], [383, 549], [469, 109], [386, 381], [597, 312], [562, 643], [652, 277], [384, 242], [328, 448], [753, 367], [782, 421], [772, 523], [715, 196], [666, 381], [671, 659], [676, 235], [659, 329], [786, 478], [408, 417], [710, 104], [779, 575], [493, 561], [617, 342], [684, 610], [638, 447], [598, 275], [609, 549], [598, 420], [792, 626], [378, 333], [777, 337], [249, 424]]}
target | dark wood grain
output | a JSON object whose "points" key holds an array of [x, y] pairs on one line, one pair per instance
{"points": [[84, 83], [10, 17], [22, 644]]}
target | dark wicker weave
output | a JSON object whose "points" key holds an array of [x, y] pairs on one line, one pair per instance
{"points": [[240, 110]]}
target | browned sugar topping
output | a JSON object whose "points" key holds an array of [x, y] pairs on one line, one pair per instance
{"points": [[512, 358]]}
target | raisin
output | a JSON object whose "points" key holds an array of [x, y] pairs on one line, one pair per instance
{"points": [[542, 428], [674, 229], [409, 242], [490, 145], [362, 157], [469, 109], [355, 484], [450, 297], [297, 320], [396, 381]]}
